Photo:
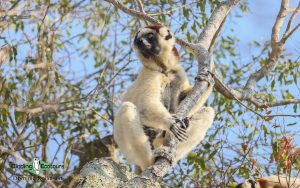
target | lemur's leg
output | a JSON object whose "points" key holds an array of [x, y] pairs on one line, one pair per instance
{"points": [[130, 136], [199, 123]]}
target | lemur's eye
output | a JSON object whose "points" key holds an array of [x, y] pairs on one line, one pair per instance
{"points": [[169, 36], [139, 40], [251, 181], [150, 35]]}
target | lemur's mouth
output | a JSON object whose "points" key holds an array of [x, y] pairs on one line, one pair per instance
{"points": [[148, 49]]}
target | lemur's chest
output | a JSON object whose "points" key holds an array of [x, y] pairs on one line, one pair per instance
{"points": [[166, 89], [165, 80], [166, 83]]}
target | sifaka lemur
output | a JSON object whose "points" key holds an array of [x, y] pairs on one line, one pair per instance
{"points": [[145, 119]]}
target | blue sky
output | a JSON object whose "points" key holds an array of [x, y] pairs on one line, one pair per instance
{"points": [[258, 23]]}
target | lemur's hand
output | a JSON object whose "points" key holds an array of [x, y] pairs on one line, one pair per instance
{"points": [[183, 122], [178, 128]]}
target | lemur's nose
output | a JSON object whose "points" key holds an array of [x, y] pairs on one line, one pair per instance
{"points": [[156, 49], [145, 42]]}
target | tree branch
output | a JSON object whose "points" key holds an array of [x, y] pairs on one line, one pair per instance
{"points": [[215, 21], [134, 13], [171, 10], [274, 103], [288, 27], [276, 45], [141, 6], [290, 33], [277, 49], [239, 96]]}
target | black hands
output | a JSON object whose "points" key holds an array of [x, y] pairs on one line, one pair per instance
{"points": [[178, 128]]}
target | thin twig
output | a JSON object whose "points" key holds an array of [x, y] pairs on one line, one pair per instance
{"points": [[141, 6], [290, 33], [172, 10], [288, 27]]}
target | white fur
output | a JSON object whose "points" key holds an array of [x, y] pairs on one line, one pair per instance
{"points": [[142, 106], [199, 124]]}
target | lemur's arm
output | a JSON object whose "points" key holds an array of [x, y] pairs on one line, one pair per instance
{"points": [[177, 86], [154, 114]]}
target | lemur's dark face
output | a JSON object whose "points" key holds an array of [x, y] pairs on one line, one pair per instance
{"points": [[248, 184], [153, 40], [146, 41]]}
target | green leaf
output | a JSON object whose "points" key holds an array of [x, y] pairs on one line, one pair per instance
{"points": [[202, 163], [212, 154], [10, 170], [272, 84]]}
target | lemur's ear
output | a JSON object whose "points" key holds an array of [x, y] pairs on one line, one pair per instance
{"points": [[154, 27], [262, 182], [169, 36], [176, 54]]}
